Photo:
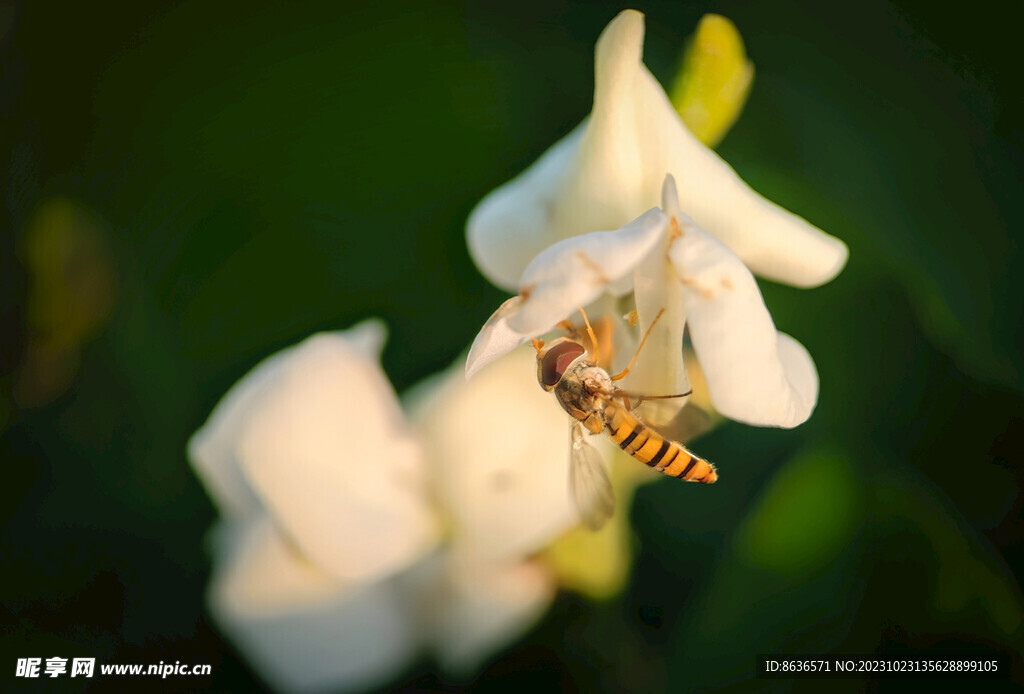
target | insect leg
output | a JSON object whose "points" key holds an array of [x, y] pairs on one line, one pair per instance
{"points": [[593, 338], [632, 361]]}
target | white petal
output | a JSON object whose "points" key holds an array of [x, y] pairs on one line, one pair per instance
{"points": [[799, 368], [659, 367], [323, 443], [500, 457], [300, 628], [562, 278], [771, 241], [754, 375], [512, 224], [479, 608], [367, 338], [495, 338], [212, 449], [615, 169], [574, 272]]}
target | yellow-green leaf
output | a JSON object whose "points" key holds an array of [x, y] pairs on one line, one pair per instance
{"points": [[713, 80]]}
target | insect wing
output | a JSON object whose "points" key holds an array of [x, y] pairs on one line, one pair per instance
{"points": [[589, 485], [689, 423]]}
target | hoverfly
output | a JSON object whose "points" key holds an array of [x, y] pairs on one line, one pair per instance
{"points": [[589, 394]]}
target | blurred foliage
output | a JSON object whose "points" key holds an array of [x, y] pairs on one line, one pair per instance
{"points": [[70, 295], [713, 80], [244, 175], [777, 535]]}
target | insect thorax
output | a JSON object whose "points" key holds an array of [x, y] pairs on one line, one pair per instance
{"points": [[576, 390]]}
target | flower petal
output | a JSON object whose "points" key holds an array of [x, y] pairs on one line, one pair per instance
{"points": [[479, 607], [321, 440], [512, 224], [659, 368], [631, 140], [575, 271], [300, 628], [754, 374], [367, 338], [495, 338], [212, 449], [499, 447]]}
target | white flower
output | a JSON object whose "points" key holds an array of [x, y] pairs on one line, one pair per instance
{"points": [[314, 436], [610, 169], [754, 374], [331, 570], [321, 489]]}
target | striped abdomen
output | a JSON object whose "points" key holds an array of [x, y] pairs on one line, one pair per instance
{"points": [[646, 445]]}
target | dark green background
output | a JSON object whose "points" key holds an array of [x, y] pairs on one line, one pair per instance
{"points": [[261, 171]]}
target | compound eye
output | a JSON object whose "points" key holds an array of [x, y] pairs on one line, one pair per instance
{"points": [[557, 360]]}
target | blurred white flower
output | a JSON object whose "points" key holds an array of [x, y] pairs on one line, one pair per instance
{"points": [[610, 169], [331, 569], [320, 484], [754, 374], [314, 436]]}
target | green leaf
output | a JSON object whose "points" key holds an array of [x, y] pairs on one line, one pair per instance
{"points": [[713, 81]]}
